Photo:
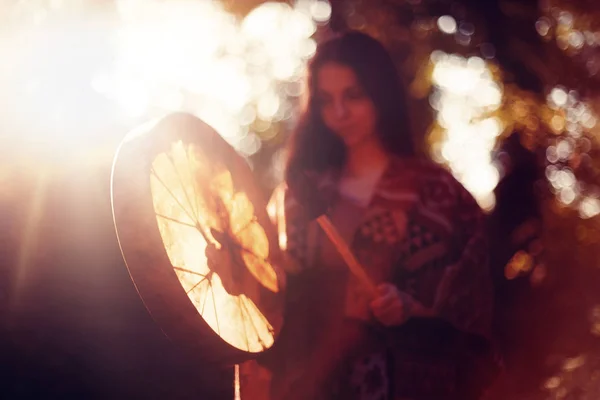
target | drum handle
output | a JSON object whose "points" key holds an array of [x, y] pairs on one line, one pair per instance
{"points": [[355, 267], [236, 382]]}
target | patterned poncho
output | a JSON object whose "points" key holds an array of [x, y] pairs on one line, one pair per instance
{"points": [[422, 231]]}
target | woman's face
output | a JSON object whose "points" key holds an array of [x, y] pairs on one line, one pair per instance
{"points": [[345, 107]]}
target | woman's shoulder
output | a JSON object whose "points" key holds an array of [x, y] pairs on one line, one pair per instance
{"points": [[426, 177], [422, 170]]}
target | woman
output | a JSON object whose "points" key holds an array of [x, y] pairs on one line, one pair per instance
{"points": [[415, 229]]}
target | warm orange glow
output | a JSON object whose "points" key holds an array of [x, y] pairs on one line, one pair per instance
{"points": [[521, 262], [193, 202], [245, 228]]}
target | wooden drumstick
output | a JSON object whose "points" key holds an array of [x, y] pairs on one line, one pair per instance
{"points": [[311, 200], [342, 247]]}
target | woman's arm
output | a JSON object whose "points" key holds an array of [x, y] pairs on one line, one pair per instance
{"points": [[465, 294]]}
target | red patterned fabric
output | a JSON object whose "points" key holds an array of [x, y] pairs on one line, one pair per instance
{"points": [[422, 231], [424, 216]]}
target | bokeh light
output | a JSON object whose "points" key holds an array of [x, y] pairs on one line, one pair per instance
{"points": [[465, 97], [573, 32], [447, 24], [573, 122], [78, 65], [198, 57]]}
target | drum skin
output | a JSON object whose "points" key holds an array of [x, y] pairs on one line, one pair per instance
{"points": [[195, 306]]}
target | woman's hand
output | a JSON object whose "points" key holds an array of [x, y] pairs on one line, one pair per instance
{"points": [[217, 258], [391, 306], [219, 261], [234, 277]]}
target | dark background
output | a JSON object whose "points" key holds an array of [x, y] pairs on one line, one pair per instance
{"points": [[73, 325]]}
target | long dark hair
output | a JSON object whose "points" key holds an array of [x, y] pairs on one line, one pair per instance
{"points": [[313, 146]]}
